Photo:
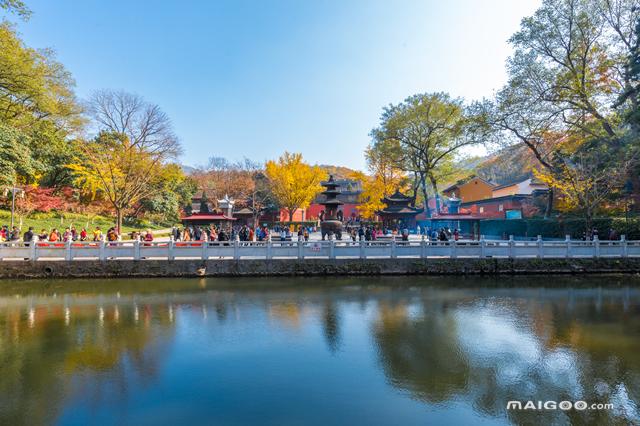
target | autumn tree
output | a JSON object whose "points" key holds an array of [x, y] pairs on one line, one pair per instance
{"points": [[567, 77], [222, 177], [32, 198], [293, 182], [117, 169], [586, 177], [383, 157]]}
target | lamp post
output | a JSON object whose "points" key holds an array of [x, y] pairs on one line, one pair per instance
{"points": [[14, 190]]}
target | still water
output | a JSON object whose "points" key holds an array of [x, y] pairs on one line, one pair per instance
{"points": [[388, 351]]}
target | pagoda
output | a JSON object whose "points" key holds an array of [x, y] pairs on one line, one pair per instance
{"points": [[330, 224], [399, 210]]}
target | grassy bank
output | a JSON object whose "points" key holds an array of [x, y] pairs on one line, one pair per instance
{"points": [[63, 220]]}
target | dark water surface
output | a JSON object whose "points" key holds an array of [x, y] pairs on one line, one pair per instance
{"points": [[351, 351]]}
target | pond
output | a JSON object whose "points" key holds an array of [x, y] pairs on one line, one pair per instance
{"points": [[279, 351]]}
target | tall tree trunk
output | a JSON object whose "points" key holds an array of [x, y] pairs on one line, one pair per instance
{"points": [[118, 220], [425, 194], [549, 208], [588, 221], [415, 185], [434, 184], [291, 212]]}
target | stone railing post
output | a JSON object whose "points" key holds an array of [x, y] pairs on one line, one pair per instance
{"points": [[567, 241], [32, 248], [393, 248], [236, 250], [596, 246], [269, 248], [454, 249], [512, 245], [540, 247], [482, 246], [136, 250], [171, 255], [205, 250], [300, 249], [623, 244], [332, 246], [67, 250], [363, 254], [102, 246], [423, 250]]}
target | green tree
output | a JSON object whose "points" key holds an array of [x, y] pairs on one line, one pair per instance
{"points": [[429, 130], [34, 87], [16, 163], [16, 6]]}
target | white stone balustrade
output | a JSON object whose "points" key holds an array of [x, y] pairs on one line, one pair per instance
{"points": [[71, 251]]}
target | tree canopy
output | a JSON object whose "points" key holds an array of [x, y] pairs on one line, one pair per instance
{"points": [[294, 183]]}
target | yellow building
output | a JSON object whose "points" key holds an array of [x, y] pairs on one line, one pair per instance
{"points": [[471, 189]]}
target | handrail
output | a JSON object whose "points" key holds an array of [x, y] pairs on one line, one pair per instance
{"points": [[140, 250]]}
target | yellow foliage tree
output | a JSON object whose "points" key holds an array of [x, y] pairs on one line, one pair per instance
{"points": [[373, 190], [585, 178], [293, 182], [122, 172]]}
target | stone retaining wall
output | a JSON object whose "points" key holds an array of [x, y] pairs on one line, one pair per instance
{"points": [[274, 267]]}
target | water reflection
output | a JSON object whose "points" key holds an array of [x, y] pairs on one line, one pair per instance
{"points": [[378, 351]]}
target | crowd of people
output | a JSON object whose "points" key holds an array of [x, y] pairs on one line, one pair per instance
{"points": [[241, 233], [356, 232], [68, 234]]}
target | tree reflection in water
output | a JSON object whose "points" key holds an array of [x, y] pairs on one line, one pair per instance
{"points": [[50, 353], [516, 347], [329, 345]]}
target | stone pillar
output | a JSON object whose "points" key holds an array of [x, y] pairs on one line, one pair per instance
{"points": [[512, 245], [540, 247], [32, 248], [567, 241], [171, 250], [136, 250], [67, 250]]}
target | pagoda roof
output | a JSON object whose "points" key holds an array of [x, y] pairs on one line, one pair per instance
{"points": [[398, 197], [404, 210], [243, 211]]}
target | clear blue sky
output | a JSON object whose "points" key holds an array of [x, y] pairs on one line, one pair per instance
{"points": [[256, 78]]}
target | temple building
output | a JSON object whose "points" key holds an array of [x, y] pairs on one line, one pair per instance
{"points": [[203, 214], [399, 211]]}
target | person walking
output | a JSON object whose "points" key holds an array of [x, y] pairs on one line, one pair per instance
{"points": [[28, 236]]}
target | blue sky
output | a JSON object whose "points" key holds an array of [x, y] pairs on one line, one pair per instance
{"points": [[256, 78]]}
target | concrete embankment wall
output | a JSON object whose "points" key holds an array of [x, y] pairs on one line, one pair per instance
{"points": [[291, 267]]}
